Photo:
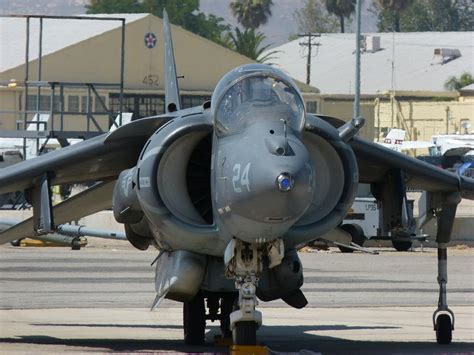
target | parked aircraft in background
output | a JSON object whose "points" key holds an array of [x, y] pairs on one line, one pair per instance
{"points": [[395, 140], [230, 190]]}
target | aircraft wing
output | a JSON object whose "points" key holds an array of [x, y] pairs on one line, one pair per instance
{"points": [[97, 159], [375, 161]]}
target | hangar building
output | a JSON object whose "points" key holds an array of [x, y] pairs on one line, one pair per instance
{"points": [[82, 60]]}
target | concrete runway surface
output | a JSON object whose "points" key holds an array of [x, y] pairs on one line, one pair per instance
{"points": [[97, 299]]}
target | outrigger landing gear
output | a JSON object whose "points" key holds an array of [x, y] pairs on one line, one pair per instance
{"points": [[445, 211], [443, 317]]}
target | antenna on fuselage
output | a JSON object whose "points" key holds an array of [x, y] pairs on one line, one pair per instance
{"points": [[172, 98]]}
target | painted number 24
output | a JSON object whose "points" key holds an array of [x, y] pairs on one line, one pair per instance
{"points": [[238, 180]]}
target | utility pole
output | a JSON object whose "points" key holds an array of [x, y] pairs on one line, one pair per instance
{"points": [[357, 60], [309, 44]]}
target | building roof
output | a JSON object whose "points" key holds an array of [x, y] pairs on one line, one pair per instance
{"points": [[57, 34], [415, 67], [467, 88]]}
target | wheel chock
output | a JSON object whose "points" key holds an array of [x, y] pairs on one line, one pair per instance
{"points": [[248, 350], [37, 243], [221, 341]]}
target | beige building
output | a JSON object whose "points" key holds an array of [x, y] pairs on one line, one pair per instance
{"points": [[402, 79], [76, 52]]}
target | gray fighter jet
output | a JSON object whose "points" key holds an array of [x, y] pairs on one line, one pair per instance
{"points": [[230, 190]]}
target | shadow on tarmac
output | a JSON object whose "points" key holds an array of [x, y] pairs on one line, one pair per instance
{"points": [[264, 328], [277, 338]]}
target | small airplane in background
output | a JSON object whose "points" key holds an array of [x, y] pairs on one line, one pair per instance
{"points": [[230, 190], [395, 140]]}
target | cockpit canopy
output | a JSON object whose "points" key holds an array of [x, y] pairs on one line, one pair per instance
{"points": [[255, 92]]}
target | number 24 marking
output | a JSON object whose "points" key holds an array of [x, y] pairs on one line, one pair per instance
{"points": [[238, 181]]}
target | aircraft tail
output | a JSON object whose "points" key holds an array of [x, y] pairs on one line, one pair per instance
{"points": [[172, 98]]}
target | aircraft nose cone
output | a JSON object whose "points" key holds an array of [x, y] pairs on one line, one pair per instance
{"points": [[285, 182]]}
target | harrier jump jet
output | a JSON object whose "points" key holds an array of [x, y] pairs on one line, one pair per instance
{"points": [[230, 190]]}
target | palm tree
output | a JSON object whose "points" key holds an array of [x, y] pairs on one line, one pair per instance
{"points": [[249, 42], [252, 13], [454, 83], [395, 7], [341, 8]]}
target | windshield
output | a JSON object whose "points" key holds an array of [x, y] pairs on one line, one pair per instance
{"points": [[255, 98]]}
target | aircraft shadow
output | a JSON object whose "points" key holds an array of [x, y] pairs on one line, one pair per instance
{"points": [[277, 338]]}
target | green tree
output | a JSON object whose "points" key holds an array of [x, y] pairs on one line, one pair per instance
{"points": [[392, 10], [456, 83], [427, 15], [251, 13], [184, 13], [341, 8], [117, 6], [249, 43], [313, 18]]}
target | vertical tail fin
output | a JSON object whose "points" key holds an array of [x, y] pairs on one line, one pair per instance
{"points": [[172, 98]]}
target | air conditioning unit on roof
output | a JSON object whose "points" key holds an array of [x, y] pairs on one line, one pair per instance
{"points": [[372, 43], [444, 55]]}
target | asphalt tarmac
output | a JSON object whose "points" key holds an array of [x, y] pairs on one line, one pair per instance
{"points": [[97, 300]]}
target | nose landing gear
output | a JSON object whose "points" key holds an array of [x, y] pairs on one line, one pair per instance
{"points": [[244, 263]]}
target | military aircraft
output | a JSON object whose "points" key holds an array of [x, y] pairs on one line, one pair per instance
{"points": [[230, 190]]}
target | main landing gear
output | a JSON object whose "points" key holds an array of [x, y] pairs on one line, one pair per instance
{"points": [[219, 306]]}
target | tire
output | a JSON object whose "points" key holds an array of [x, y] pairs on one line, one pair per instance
{"points": [[444, 330], [245, 333], [402, 245], [76, 244], [357, 236], [194, 320], [16, 242]]}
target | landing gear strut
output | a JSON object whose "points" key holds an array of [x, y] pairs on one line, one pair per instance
{"points": [[245, 321], [244, 264]]}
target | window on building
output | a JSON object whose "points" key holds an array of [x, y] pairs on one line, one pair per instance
{"points": [[139, 105], [312, 106], [98, 105], [73, 103], [188, 101], [57, 104], [44, 102], [84, 104]]}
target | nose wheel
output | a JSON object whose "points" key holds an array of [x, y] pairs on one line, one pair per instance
{"points": [[245, 333], [245, 320], [244, 264]]}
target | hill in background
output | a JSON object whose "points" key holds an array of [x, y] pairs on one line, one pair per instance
{"points": [[280, 26]]}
